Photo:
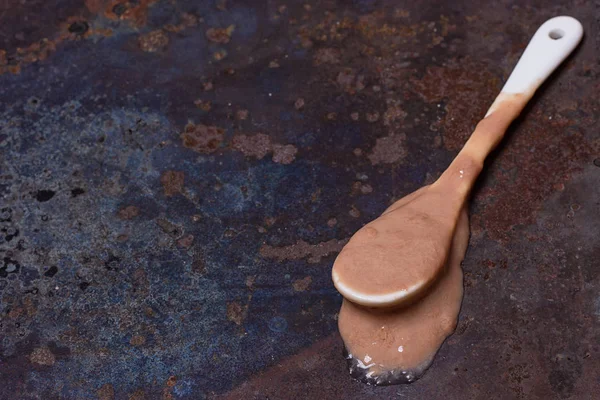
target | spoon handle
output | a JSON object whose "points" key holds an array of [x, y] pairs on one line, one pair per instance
{"points": [[549, 46]]}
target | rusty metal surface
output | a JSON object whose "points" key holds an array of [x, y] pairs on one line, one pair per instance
{"points": [[176, 178]]}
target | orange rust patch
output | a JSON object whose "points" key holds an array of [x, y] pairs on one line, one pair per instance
{"points": [[346, 77], [37, 51], [258, 145], [153, 41], [349, 81], [302, 249], [140, 279], [393, 114], [241, 114], [138, 395], [137, 340], [207, 86], [41, 50], [135, 12], [201, 138], [370, 27], [302, 285], [30, 306], [106, 392], [172, 182], [204, 105], [299, 103], [327, 56], [94, 6], [199, 266], [361, 188], [236, 312], [388, 150], [372, 117], [219, 55], [220, 35], [128, 212], [42, 356], [186, 241], [187, 21], [270, 221], [169, 384], [15, 312], [354, 212], [172, 381], [284, 154], [221, 5]]}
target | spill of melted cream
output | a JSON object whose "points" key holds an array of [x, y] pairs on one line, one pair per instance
{"points": [[390, 347]]}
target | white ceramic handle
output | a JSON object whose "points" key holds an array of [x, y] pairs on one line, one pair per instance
{"points": [[548, 47]]}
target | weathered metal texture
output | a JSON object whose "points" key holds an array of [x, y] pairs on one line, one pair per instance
{"points": [[177, 177]]}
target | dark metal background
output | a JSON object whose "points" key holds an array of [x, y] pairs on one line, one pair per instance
{"points": [[149, 251]]}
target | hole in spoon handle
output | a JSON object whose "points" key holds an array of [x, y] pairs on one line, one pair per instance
{"points": [[556, 34]]}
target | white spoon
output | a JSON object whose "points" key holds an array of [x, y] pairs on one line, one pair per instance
{"points": [[395, 258]]}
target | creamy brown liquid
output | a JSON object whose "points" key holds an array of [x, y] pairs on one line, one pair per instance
{"points": [[421, 239], [397, 346]]}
